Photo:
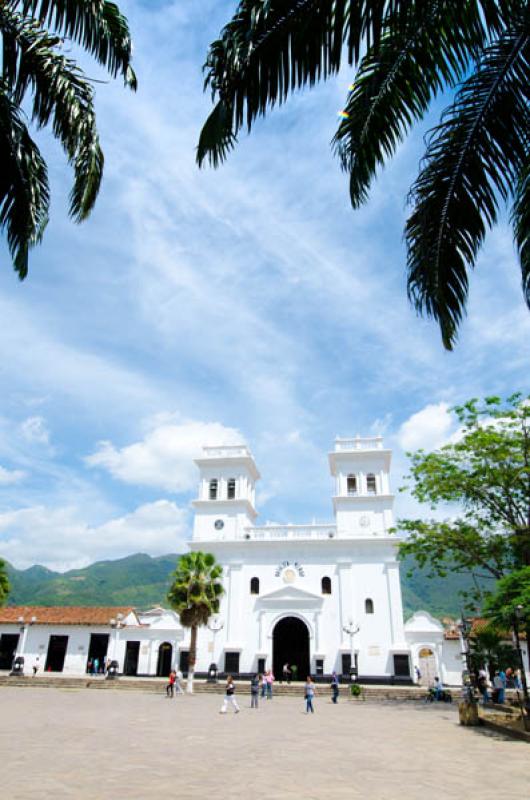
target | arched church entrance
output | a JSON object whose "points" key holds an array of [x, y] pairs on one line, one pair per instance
{"points": [[290, 644], [165, 655], [427, 665]]}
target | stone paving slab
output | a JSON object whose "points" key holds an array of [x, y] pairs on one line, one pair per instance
{"points": [[77, 743]]}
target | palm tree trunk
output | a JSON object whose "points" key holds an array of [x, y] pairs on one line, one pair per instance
{"points": [[192, 659]]}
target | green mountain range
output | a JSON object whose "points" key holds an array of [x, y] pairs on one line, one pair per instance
{"points": [[142, 581]]}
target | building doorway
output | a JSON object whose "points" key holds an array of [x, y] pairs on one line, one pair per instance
{"points": [[184, 662], [8, 648], [165, 657], [132, 654], [290, 645], [427, 665], [232, 664], [56, 653], [97, 649]]}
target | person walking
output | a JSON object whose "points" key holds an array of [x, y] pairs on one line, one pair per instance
{"points": [[482, 684], [179, 677], [170, 688], [502, 675], [286, 673], [95, 666], [309, 693], [230, 691], [264, 685], [36, 666], [418, 675], [270, 680], [498, 686], [254, 691], [334, 687]]}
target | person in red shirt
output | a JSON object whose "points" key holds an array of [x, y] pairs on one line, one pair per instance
{"points": [[170, 688]]}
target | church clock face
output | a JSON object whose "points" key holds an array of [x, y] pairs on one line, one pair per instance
{"points": [[219, 524], [289, 575]]}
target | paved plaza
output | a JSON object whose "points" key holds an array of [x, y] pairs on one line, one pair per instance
{"points": [[79, 743]]}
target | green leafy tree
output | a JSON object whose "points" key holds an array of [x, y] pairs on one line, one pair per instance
{"points": [[485, 474], [486, 647], [4, 583], [509, 607], [36, 77], [511, 598], [195, 595], [406, 53]]}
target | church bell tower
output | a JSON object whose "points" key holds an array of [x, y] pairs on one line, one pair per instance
{"points": [[362, 499], [227, 494]]}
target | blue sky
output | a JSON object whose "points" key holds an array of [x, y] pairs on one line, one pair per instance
{"points": [[196, 307]]}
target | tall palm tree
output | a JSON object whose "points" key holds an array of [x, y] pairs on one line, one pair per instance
{"points": [[36, 77], [195, 595], [406, 53], [4, 583]]}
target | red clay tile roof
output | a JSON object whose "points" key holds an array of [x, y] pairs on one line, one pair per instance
{"points": [[64, 615], [479, 623]]}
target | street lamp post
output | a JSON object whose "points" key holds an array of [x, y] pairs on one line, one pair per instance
{"points": [[351, 630], [25, 625], [464, 627], [518, 616], [17, 667], [215, 625], [116, 623]]}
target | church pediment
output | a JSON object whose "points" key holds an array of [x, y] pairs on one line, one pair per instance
{"points": [[289, 597]]}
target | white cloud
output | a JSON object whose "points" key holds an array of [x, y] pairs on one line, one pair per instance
{"points": [[428, 429], [60, 539], [10, 476], [164, 458], [381, 425], [34, 429]]}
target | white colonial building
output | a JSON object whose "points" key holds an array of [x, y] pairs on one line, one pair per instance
{"points": [[324, 597]]}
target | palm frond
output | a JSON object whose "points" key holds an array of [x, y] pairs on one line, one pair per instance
{"points": [[216, 138], [271, 48], [521, 226], [97, 25], [473, 160], [397, 81], [61, 95], [196, 588], [24, 190]]}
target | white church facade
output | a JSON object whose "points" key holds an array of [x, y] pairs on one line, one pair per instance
{"points": [[323, 597]]}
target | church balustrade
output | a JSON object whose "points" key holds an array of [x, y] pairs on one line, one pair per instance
{"points": [[227, 451], [291, 532], [359, 443]]}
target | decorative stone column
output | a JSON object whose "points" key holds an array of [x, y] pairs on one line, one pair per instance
{"points": [[345, 593], [394, 601], [234, 600]]}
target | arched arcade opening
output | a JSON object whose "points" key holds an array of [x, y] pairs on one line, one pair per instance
{"points": [[290, 645], [165, 657]]}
